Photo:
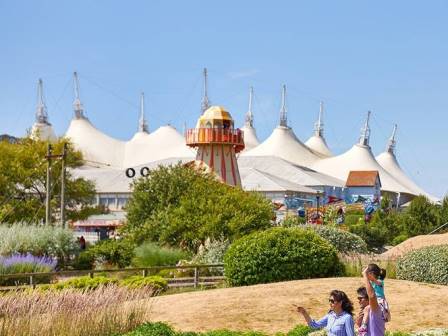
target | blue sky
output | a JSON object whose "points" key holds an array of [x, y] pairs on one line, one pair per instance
{"points": [[390, 57]]}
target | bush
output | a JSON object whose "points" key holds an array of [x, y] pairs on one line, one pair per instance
{"points": [[84, 283], [429, 264], [113, 252], [48, 241], [399, 239], [374, 236], [353, 219], [301, 330], [211, 252], [150, 254], [279, 254], [344, 242], [138, 281], [152, 329], [84, 261], [293, 221]]}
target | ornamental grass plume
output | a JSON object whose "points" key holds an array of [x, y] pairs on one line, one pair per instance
{"points": [[107, 310]]}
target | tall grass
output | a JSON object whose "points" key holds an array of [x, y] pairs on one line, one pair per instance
{"points": [[150, 254], [24, 264], [104, 311], [354, 264]]}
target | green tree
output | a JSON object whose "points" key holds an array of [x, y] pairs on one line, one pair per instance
{"points": [[180, 206], [421, 217], [444, 212], [23, 182]]}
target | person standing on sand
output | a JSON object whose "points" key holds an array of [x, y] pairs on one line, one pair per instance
{"points": [[339, 320], [376, 324]]}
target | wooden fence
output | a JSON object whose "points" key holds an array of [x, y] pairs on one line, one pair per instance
{"points": [[193, 280]]}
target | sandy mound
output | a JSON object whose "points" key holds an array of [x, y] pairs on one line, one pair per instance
{"points": [[268, 308], [415, 243]]}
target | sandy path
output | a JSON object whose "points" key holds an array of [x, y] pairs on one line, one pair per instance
{"points": [[267, 308]]}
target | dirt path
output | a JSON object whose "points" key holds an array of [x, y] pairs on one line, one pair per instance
{"points": [[267, 308]]}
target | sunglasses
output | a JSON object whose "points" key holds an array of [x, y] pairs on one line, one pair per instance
{"points": [[361, 298], [331, 301]]}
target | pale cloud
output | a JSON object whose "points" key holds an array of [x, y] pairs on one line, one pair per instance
{"points": [[243, 73]]}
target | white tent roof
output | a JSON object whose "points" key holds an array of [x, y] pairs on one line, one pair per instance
{"points": [[96, 146], [359, 157], [283, 143], [286, 170], [256, 180], [42, 131], [250, 138], [319, 145], [165, 142], [389, 162]]}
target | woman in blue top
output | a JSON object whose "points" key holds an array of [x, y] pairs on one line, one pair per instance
{"points": [[339, 320]]}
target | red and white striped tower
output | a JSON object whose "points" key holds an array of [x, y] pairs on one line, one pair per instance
{"points": [[217, 142]]}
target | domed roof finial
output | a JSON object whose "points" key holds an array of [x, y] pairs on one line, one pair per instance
{"points": [[41, 110], [283, 117], [319, 125], [77, 105], [249, 120], [205, 104], [365, 132], [392, 142], [142, 125]]}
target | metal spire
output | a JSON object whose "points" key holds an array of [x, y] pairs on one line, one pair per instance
{"points": [[142, 125], [283, 117], [249, 120], [41, 110], [77, 105], [365, 132], [392, 142], [205, 104], [319, 125]]}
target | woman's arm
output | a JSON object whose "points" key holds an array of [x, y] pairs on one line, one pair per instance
{"points": [[313, 324], [373, 302]]}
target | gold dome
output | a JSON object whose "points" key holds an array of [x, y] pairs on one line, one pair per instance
{"points": [[215, 116]]}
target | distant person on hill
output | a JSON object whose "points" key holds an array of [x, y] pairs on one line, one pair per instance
{"points": [[82, 243], [376, 276], [339, 320]]}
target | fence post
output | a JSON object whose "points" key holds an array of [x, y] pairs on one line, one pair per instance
{"points": [[91, 274], [196, 277], [31, 281], [145, 273]]}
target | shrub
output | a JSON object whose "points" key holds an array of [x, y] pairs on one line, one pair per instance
{"points": [[150, 254], [152, 329], [138, 281], [429, 264], [84, 283], [113, 252], [211, 252], [279, 254], [353, 219], [48, 241], [374, 236], [300, 330], [84, 261], [293, 221], [25, 264], [399, 239], [343, 241]]}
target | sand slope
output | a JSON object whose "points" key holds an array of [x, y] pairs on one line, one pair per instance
{"points": [[415, 243]]}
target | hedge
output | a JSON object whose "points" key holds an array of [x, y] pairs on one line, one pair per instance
{"points": [[280, 254], [428, 264]]}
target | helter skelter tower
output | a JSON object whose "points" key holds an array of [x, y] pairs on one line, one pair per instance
{"points": [[217, 142]]}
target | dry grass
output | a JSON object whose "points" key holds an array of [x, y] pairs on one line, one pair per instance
{"points": [[415, 243], [267, 308], [104, 311]]}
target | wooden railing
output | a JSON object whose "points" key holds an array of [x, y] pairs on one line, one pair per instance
{"points": [[198, 136], [188, 281]]}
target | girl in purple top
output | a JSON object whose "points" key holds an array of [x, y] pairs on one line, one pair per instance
{"points": [[339, 320], [376, 324]]}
